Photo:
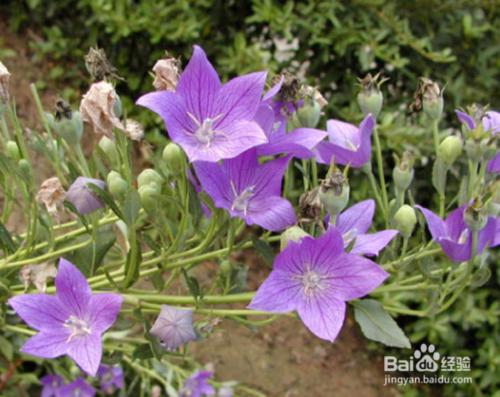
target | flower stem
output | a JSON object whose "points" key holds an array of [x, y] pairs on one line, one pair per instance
{"points": [[380, 169]]}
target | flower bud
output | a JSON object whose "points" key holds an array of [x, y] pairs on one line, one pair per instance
{"points": [[149, 196], [294, 233], [174, 157], [12, 150], [308, 115], [166, 74], [334, 193], [4, 84], [67, 124], [25, 167], [225, 267], [109, 148], [370, 98], [450, 149], [148, 177], [403, 172], [117, 186], [405, 220], [475, 216], [432, 99]]}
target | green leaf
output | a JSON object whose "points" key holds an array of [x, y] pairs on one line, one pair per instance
{"points": [[193, 286], [131, 207], [378, 325], [143, 352], [6, 243], [439, 171], [134, 258], [264, 250], [6, 348]]}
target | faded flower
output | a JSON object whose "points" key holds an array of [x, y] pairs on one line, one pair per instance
{"points": [[166, 74], [98, 65], [51, 194], [4, 83], [134, 130], [174, 327], [37, 275]]}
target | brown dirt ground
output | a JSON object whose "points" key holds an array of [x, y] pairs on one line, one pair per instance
{"points": [[280, 359]]}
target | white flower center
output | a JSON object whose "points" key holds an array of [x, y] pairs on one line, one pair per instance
{"points": [[204, 132], [349, 236], [463, 236], [241, 200], [312, 282], [77, 326]]}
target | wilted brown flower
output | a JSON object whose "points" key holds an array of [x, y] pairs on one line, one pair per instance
{"points": [[427, 91], [166, 74], [310, 206], [98, 65], [51, 194], [37, 275], [98, 108], [4, 83]]}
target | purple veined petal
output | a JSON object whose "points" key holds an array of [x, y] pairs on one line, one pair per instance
{"points": [[273, 90], [103, 310], [358, 217], [352, 276], [325, 151], [496, 238], [82, 198], [47, 344], [455, 224], [238, 99], [371, 244], [488, 235], [493, 166], [435, 224], [174, 327], [77, 388], [455, 251], [465, 119], [264, 117], [86, 351], [198, 85], [72, 288], [279, 293], [241, 170], [267, 177], [50, 384], [365, 136], [214, 182], [39, 311], [321, 252], [323, 317], [272, 213], [299, 143], [344, 135], [491, 122], [197, 385], [234, 140]]}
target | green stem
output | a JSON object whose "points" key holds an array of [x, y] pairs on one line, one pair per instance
{"points": [[380, 169]]}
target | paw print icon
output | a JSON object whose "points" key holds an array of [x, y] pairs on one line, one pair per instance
{"points": [[427, 358]]}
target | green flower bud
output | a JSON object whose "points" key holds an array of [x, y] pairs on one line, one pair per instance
{"points": [[149, 176], [67, 124], [116, 184], [149, 196], [174, 157], [334, 194], [225, 267], [475, 215], [479, 150], [294, 233], [370, 98], [12, 150], [25, 167], [109, 148], [308, 115], [450, 149], [405, 220], [403, 172]]}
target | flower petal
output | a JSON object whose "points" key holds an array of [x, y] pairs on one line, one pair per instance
{"points": [[352, 276], [198, 85], [489, 235], [299, 143], [324, 318], [455, 224], [494, 164], [436, 225], [279, 293], [214, 182], [273, 90], [72, 288], [47, 344], [239, 99], [272, 213], [372, 244], [344, 135], [103, 309], [464, 118], [491, 122], [39, 311], [86, 352], [358, 217], [264, 117], [455, 251]]}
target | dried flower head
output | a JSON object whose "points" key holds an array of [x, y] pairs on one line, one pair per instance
{"points": [[62, 110], [98, 108], [51, 194], [37, 275], [290, 90], [166, 74], [427, 90], [98, 65], [134, 130], [310, 206], [4, 83]]}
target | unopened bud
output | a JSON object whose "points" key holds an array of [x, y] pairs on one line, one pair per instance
{"points": [[405, 220], [475, 215], [149, 177], [175, 158], [309, 113], [334, 193], [294, 234], [149, 196], [12, 150], [370, 98], [450, 149], [117, 186], [25, 167], [403, 172], [109, 148]]}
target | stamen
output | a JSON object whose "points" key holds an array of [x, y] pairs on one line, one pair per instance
{"points": [[242, 200], [205, 133], [77, 326], [312, 282]]}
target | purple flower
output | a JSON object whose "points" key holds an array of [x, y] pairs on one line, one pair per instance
{"points": [[197, 386], [174, 327], [354, 222], [316, 277], [110, 378], [298, 143], [454, 236], [248, 190], [348, 144], [208, 120], [82, 197], [491, 123], [70, 322], [50, 384], [77, 388]]}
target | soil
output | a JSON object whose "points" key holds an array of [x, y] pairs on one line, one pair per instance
{"points": [[279, 359]]}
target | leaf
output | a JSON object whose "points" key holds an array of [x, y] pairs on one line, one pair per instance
{"points": [[439, 171], [193, 286], [194, 205], [378, 325], [134, 258], [6, 348], [264, 250], [143, 352], [131, 207], [6, 243]]}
